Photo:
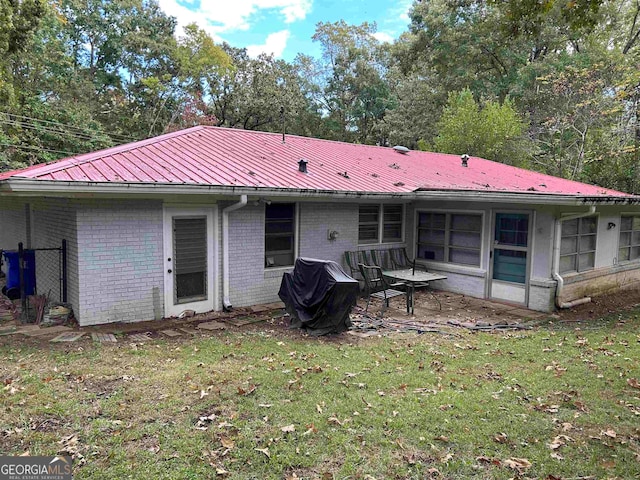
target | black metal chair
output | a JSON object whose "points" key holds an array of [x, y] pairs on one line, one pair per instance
{"points": [[377, 286], [401, 260], [352, 259]]}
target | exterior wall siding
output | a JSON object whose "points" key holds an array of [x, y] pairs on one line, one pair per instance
{"points": [[13, 223], [120, 268], [54, 220], [115, 252]]}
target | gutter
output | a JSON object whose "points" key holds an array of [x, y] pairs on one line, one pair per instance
{"points": [[226, 303], [30, 187], [555, 268]]}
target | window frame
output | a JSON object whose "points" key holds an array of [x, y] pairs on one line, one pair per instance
{"points": [[447, 246], [381, 223], [294, 236], [578, 236], [631, 245]]}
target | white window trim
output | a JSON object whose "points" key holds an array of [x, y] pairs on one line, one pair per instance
{"points": [[595, 250], [477, 268], [380, 241], [296, 238]]}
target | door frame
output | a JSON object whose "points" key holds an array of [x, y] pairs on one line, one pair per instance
{"points": [[529, 251], [212, 300]]}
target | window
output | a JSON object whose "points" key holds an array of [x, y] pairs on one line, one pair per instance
{"points": [[578, 244], [376, 219], [279, 234], [450, 237], [629, 248]]}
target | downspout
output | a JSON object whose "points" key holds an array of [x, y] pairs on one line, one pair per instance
{"points": [[226, 303], [555, 268]]}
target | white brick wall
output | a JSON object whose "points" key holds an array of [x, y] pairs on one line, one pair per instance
{"points": [[13, 225], [120, 261], [250, 282], [53, 220]]}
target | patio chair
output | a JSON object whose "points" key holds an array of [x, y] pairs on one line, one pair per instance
{"points": [[377, 287], [351, 260], [382, 259], [400, 259]]}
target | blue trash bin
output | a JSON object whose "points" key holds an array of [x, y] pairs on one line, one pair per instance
{"points": [[12, 259]]}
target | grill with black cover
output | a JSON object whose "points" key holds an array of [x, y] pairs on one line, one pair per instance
{"points": [[319, 296]]}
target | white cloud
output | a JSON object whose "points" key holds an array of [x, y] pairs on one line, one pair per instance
{"points": [[275, 43], [384, 37], [220, 16]]}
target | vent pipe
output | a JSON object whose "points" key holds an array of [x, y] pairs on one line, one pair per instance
{"points": [[465, 160], [302, 165]]}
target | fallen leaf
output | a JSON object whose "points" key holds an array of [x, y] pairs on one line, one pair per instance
{"points": [[557, 442], [334, 421], [434, 472], [318, 408], [611, 433], [501, 438], [446, 458], [264, 450], [310, 429], [221, 471], [249, 391], [518, 464], [288, 428], [633, 382], [581, 406], [442, 438], [226, 442], [556, 456], [566, 426]]}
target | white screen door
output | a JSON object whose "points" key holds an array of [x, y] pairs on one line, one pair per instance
{"points": [[189, 259]]}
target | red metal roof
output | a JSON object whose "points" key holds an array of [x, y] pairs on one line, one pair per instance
{"points": [[231, 157]]}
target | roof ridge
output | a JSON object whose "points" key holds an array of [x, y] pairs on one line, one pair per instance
{"points": [[342, 142]]}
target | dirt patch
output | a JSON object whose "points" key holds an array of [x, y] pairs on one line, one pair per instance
{"points": [[602, 306], [47, 423]]}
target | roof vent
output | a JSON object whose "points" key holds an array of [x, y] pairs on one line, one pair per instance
{"points": [[302, 165], [465, 160], [401, 149]]}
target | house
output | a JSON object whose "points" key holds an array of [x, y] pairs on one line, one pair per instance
{"points": [[209, 218]]}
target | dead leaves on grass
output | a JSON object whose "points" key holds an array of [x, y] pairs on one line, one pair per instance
{"points": [[633, 383]]}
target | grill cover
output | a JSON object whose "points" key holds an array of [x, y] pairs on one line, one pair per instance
{"points": [[319, 296]]}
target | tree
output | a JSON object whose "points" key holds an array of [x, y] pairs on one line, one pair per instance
{"points": [[490, 130], [257, 93], [352, 92]]}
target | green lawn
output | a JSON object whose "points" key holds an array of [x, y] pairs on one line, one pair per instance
{"points": [[554, 402]]}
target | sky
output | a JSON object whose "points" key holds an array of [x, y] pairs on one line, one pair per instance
{"points": [[284, 27]]}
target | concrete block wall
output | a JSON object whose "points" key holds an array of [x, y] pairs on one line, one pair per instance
{"points": [[542, 296], [53, 220], [120, 261]]}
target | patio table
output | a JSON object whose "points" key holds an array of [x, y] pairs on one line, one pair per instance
{"points": [[413, 278]]}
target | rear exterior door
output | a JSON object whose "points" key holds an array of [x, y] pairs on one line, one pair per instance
{"points": [[190, 259]]}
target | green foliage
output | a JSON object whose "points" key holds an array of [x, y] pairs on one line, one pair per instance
{"points": [[489, 130]]}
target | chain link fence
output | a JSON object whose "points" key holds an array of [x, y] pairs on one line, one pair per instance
{"points": [[38, 273]]}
